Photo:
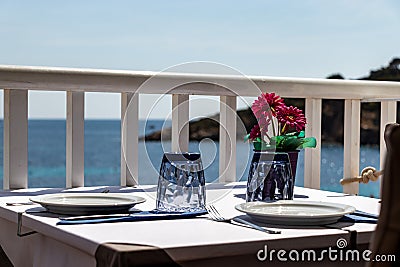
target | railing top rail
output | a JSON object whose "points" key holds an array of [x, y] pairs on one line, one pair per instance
{"points": [[100, 80]]}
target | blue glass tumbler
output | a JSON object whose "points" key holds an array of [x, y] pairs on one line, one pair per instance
{"points": [[181, 183]]}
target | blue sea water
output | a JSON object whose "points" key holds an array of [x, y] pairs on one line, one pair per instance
{"points": [[46, 156]]}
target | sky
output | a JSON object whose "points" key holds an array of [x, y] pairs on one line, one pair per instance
{"points": [[308, 38]]}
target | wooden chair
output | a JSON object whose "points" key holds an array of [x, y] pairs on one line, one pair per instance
{"points": [[386, 240]]}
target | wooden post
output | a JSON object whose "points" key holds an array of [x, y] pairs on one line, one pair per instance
{"points": [[129, 139], [180, 123], [312, 156], [75, 139], [227, 139], [351, 161], [388, 115], [15, 139]]}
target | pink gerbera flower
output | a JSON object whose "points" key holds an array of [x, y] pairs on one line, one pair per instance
{"points": [[291, 118], [264, 123], [255, 132], [265, 103]]}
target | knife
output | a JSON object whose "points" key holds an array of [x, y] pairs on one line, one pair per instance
{"points": [[365, 214], [140, 216], [97, 216]]}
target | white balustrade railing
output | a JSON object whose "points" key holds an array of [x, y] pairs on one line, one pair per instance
{"points": [[17, 80]]}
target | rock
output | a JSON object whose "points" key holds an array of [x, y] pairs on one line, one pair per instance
{"points": [[209, 128]]}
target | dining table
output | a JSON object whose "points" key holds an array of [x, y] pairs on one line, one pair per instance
{"points": [[32, 236]]}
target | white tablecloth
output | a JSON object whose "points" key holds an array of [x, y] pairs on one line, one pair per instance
{"points": [[184, 241]]}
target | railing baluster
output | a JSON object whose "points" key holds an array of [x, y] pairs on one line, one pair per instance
{"points": [[180, 123], [88, 80], [351, 160], [75, 139], [312, 157], [388, 115], [15, 139], [227, 139], [129, 139]]}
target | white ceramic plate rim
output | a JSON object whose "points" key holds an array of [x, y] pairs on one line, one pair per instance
{"points": [[115, 199], [342, 209]]}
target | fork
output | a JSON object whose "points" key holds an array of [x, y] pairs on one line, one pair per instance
{"points": [[216, 216]]}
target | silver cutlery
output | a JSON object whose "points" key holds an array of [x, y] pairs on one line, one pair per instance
{"points": [[365, 214], [20, 203], [139, 216], [216, 216], [342, 195], [97, 216]]}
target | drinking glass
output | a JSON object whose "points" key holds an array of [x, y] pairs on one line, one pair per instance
{"points": [[270, 177], [181, 183]]}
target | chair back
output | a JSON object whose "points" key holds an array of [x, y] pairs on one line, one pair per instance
{"points": [[386, 240]]}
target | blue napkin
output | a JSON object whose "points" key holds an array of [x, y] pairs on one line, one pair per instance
{"points": [[360, 217], [140, 216]]}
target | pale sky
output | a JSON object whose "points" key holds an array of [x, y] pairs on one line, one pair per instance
{"points": [[308, 38]]}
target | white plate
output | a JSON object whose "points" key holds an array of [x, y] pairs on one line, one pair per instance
{"points": [[87, 203], [292, 212]]}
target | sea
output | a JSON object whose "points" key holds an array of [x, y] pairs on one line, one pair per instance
{"points": [[46, 156]]}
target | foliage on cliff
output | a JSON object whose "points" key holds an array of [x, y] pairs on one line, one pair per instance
{"points": [[388, 73]]}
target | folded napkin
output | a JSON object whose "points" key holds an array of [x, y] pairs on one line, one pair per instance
{"points": [[140, 216], [360, 217]]}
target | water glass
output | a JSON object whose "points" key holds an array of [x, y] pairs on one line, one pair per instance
{"points": [[181, 183], [270, 177]]}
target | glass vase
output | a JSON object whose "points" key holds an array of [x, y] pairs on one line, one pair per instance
{"points": [[270, 177]]}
